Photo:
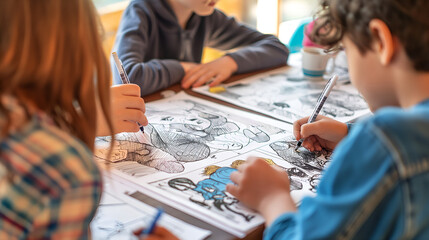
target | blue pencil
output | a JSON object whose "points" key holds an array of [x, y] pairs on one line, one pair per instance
{"points": [[152, 225]]}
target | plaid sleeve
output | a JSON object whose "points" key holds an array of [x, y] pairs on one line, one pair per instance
{"points": [[69, 216], [49, 185]]}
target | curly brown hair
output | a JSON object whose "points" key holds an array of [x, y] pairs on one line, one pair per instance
{"points": [[408, 20]]}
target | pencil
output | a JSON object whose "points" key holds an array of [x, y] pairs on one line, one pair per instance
{"points": [[322, 99], [152, 225], [124, 77]]}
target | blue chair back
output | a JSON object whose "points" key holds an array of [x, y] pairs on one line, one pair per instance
{"points": [[295, 42]]}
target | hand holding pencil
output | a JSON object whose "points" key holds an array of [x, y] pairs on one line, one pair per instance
{"points": [[153, 231], [316, 132], [126, 81], [324, 133]]}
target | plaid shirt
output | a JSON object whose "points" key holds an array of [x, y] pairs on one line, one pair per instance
{"points": [[50, 186]]}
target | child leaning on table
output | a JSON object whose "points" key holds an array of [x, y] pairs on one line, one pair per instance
{"points": [[53, 79], [376, 185], [160, 43]]}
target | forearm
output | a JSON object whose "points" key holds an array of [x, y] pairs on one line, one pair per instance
{"points": [[256, 50], [264, 54], [273, 207], [152, 76]]}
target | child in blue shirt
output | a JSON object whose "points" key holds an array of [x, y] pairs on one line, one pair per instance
{"points": [[160, 43], [376, 184]]}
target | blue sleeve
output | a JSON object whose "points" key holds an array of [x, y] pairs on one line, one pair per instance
{"points": [[257, 51], [358, 165], [132, 41]]}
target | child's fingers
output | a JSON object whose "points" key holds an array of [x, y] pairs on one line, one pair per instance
{"points": [[157, 234], [133, 115], [203, 79], [236, 177], [312, 129], [218, 79], [297, 127], [128, 126], [131, 102], [126, 89], [190, 78], [138, 231], [163, 233], [250, 160], [232, 189], [309, 143]]}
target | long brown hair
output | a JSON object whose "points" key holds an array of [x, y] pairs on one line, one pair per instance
{"points": [[51, 55]]}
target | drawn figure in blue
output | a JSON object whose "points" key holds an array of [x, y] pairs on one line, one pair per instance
{"points": [[212, 188]]}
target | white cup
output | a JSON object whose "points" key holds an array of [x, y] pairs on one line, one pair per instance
{"points": [[314, 62]]}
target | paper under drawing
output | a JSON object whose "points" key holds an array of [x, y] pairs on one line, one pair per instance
{"points": [[273, 94], [183, 131], [195, 145], [118, 220], [205, 187]]}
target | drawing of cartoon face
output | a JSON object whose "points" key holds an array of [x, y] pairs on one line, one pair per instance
{"points": [[296, 172], [196, 123]]}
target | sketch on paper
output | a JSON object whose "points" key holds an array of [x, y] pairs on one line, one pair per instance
{"points": [[184, 130], [303, 159], [302, 166], [211, 191], [120, 219], [273, 94], [206, 187], [117, 222]]}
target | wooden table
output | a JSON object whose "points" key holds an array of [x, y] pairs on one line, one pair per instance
{"points": [[216, 232]]}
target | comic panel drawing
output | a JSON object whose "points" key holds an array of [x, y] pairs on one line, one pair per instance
{"points": [[206, 188], [302, 166], [273, 94], [182, 132]]}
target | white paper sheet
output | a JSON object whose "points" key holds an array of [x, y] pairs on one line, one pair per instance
{"points": [[195, 145], [119, 215], [273, 94]]}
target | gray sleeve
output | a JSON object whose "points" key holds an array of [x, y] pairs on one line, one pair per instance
{"points": [[257, 51], [132, 41]]}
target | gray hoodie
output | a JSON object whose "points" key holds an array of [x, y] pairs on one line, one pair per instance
{"points": [[151, 44]]}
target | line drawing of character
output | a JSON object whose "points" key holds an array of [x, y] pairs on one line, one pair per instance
{"points": [[339, 104], [305, 159], [144, 154], [214, 188], [211, 189], [189, 133], [292, 172], [107, 227], [201, 130], [314, 182]]}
